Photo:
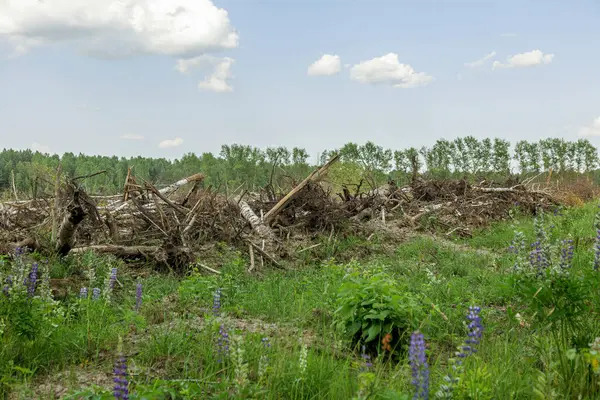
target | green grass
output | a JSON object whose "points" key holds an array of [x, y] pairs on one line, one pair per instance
{"points": [[172, 345]]}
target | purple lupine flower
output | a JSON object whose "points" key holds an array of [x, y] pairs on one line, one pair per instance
{"points": [[222, 344], [32, 280], [419, 367], [217, 303], [138, 296], [113, 279], [83, 293], [475, 330], [9, 283], [19, 251], [538, 258], [95, 293], [367, 364], [121, 390], [566, 254]]}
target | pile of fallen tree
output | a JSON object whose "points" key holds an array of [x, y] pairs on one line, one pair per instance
{"points": [[172, 225]]}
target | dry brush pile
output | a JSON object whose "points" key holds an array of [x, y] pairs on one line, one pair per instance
{"points": [[173, 225]]}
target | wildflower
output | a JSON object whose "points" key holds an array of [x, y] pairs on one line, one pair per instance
{"points": [[263, 362], [366, 358], [95, 293], [419, 367], [121, 390], [32, 281], [469, 347], [222, 344], [109, 284], [138, 296], [217, 303], [538, 258], [240, 366], [475, 329], [45, 290], [517, 248], [90, 274], [8, 285], [303, 359], [566, 255], [83, 293]]}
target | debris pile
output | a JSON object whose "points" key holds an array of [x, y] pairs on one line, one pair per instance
{"points": [[171, 226]]}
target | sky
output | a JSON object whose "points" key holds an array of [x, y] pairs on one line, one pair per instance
{"points": [[161, 78]]}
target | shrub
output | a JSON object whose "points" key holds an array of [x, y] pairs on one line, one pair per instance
{"points": [[372, 307]]}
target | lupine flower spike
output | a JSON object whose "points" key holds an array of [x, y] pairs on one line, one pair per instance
{"points": [[33, 275], [222, 344], [217, 303], [419, 367], [138, 296], [121, 390]]}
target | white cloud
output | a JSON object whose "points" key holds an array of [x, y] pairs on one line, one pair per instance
{"points": [[132, 136], [165, 144], [481, 61], [42, 148], [325, 66], [592, 130], [118, 28], [219, 80], [528, 59], [389, 71]]}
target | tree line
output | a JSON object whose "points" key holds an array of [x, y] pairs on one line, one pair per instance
{"points": [[32, 173]]}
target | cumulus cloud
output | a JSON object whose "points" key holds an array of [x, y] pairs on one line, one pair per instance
{"points": [[481, 61], [42, 148], [325, 66], [132, 136], [219, 80], [522, 60], [591, 130], [168, 143], [387, 70], [118, 28]]}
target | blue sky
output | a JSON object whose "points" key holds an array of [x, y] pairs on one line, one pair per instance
{"points": [[62, 98]]}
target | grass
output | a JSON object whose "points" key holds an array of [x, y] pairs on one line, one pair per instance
{"points": [[172, 342]]}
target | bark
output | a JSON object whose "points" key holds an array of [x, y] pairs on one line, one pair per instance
{"points": [[263, 231], [314, 176], [66, 233]]}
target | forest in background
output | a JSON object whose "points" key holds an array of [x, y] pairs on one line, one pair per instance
{"points": [[32, 174]]}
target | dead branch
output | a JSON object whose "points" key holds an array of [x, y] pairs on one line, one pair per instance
{"points": [[314, 176]]}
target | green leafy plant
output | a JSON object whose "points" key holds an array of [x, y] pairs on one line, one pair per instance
{"points": [[371, 306]]}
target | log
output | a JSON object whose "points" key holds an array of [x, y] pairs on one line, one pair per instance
{"points": [[167, 191], [66, 233], [177, 207], [263, 231], [314, 176], [127, 251]]}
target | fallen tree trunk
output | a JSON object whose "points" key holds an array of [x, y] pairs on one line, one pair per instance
{"points": [[167, 191], [314, 176], [263, 231], [126, 251], [66, 232]]}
